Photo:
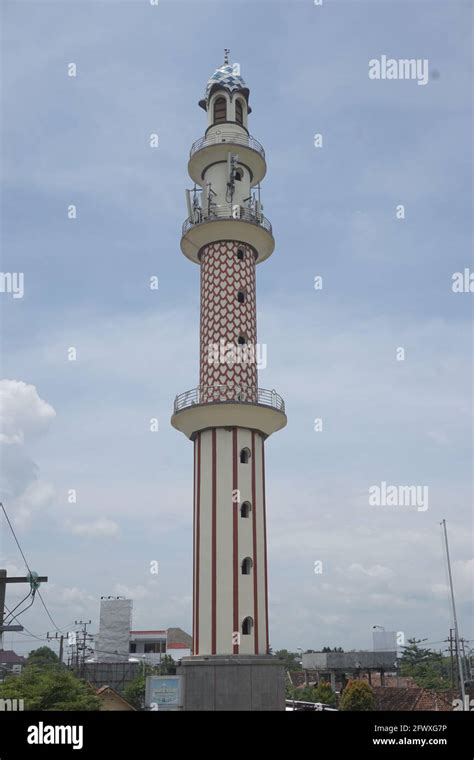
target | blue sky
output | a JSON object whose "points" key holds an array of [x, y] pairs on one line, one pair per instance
{"points": [[331, 353]]}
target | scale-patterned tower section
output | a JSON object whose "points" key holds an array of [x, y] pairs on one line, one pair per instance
{"points": [[228, 417]]}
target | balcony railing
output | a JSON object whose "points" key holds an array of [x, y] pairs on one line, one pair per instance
{"points": [[233, 138], [213, 394], [227, 211]]}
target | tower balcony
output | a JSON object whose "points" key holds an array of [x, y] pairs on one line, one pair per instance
{"points": [[228, 406], [227, 222], [215, 147]]}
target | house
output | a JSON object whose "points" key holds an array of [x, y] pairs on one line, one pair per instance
{"points": [[10, 662], [413, 698], [152, 645], [111, 700]]}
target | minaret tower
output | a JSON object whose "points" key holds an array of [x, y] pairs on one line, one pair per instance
{"points": [[228, 417]]}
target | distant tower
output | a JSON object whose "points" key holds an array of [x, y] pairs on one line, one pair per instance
{"points": [[228, 417]]}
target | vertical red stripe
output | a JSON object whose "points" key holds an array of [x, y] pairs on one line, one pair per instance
{"points": [[255, 566], [214, 544], [235, 543], [264, 507], [198, 538], [194, 544]]}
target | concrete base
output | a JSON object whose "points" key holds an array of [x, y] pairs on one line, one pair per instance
{"points": [[233, 682]]}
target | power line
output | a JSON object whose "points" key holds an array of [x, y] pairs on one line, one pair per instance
{"points": [[28, 567], [15, 608], [26, 629]]}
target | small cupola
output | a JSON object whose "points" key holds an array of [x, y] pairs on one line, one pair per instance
{"points": [[226, 96]]}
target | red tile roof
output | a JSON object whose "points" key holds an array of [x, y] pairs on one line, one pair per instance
{"points": [[9, 657], [412, 698]]}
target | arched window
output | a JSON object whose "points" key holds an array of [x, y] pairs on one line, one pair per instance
{"points": [[245, 509], [244, 456], [247, 625], [241, 254], [238, 174], [239, 114], [247, 566], [241, 340], [241, 296], [220, 110]]}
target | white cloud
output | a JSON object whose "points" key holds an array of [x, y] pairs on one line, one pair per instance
{"points": [[96, 529], [23, 417], [23, 414]]}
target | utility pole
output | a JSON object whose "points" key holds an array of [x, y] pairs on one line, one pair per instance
{"points": [[61, 644], [82, 647], [451, 657], [33, 579], [455, 620]]}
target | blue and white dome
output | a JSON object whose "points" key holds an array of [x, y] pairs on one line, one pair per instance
{"points": [[224, 78]]}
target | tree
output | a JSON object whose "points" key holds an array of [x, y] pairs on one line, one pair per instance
{"points": [[134, 691], [291, 659], [415, 655], [323, 693], [328, 649], [50, 688], [427, 668], [42, 657], [357, 696]]}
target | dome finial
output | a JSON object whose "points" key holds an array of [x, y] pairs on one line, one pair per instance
{"points": [[226, 56]]}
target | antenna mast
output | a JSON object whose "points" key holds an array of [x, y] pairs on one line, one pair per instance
{"points": [[455, 620]]}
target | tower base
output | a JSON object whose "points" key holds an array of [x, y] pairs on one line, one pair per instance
{"points": [[233, 682]]}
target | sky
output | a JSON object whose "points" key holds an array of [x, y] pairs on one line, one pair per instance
{"points": [[83, 426]]}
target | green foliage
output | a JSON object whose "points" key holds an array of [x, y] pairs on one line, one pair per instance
{"points": [[291, 659], [357, 696], [42, 657], [328, 649], [427, 668], [134, 691], [49, 688], [415, 655], [324, 693]]}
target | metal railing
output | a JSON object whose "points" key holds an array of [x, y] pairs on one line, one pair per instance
{"points": [[213, 394], [227, 211], [233, 138]]}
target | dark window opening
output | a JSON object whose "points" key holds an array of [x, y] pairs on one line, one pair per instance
{"points": [[241, 254], [220, 110], [155, 647], [247, 625], [241, 340], [133, 647], [238, 175], [247, 566], [244, 456], [239, 112], [245, 509], [241, 296]]}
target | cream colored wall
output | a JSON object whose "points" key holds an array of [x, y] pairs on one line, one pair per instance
{"points": [[205, 570], [224, 547], [262, 635], [224, 555]]}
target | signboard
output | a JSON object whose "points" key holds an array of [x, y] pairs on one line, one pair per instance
{"points": [[164, 693]]}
